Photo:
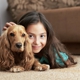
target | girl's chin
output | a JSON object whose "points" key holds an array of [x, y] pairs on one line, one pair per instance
{"points": [[36, 51]]}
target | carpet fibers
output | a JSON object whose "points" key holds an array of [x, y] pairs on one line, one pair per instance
{"points": [[71, 73]]}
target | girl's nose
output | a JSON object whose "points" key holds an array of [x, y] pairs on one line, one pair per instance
{"points": [[37, 41]]}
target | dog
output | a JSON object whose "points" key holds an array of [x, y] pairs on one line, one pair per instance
{"points": [[16, 52]]}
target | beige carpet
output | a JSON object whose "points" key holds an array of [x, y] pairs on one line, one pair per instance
{"points": [[71, 73]]}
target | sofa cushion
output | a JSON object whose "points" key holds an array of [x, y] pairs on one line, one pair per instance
{"points": [[17, 8]]}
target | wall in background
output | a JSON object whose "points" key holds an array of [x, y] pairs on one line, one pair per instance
{"points": [[4, 15]]}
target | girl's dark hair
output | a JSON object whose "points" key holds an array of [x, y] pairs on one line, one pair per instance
{"points": [[53, 44]]}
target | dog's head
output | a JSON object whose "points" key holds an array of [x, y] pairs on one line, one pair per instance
{"points": [[17, 37]]}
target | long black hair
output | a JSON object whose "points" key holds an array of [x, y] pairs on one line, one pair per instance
{"points": [[52, 44]]}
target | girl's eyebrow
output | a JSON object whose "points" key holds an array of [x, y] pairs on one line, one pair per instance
{"points": [[43, 33], [34, 33]]}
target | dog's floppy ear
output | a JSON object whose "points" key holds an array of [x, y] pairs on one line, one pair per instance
{"points": [[4, 40], [6, 59], [28, 47], [28, 54]]}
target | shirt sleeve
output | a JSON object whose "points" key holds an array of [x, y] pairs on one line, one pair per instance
{"points": [[44, 60], [59, 60]]}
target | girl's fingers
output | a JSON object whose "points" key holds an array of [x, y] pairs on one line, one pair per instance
{"points": [[8, 24], [4, 28], [12, 23]]}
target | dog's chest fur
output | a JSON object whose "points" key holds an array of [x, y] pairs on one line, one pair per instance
{"points": [[18, 57]]}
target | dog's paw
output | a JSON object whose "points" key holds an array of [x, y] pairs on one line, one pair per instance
{"points": [[42, 67], [16, 69]]}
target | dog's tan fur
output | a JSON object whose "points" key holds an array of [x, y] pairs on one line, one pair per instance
{"points": [[13, 57]]}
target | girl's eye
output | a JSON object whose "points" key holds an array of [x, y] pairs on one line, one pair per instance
{"points": [[42, 36], [30, 36]]}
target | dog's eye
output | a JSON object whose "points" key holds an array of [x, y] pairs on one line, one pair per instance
{"points": [[12, 34], [23, 35]]}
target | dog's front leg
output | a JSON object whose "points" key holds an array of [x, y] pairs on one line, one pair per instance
{"points": [[40, 67], [27, 63], [16, 69]]}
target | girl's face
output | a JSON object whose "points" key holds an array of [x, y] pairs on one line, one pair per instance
{"points": [[38, 36]]}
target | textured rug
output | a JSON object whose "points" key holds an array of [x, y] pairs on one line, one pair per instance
{"points": [[71, 73]]}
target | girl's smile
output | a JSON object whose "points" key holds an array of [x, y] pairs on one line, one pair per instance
{"points": [[36, 47]]}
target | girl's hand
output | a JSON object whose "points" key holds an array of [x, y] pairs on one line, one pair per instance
{"points": [[8, 24]]}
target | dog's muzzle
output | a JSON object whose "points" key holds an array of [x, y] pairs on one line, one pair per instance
{"points": [[18, 45]]}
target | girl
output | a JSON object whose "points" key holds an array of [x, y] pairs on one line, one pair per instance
{"points": [[45, 46]]}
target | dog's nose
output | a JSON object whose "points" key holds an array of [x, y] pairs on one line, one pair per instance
{"points": [[18, 45]]}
